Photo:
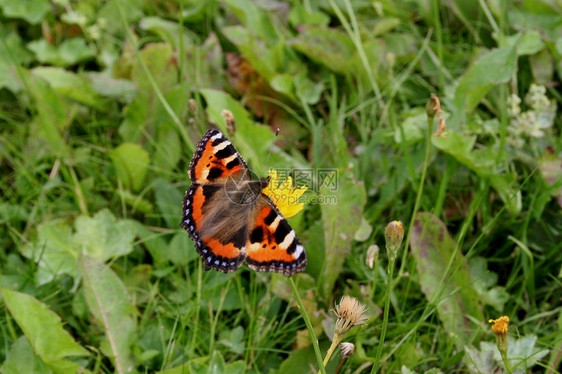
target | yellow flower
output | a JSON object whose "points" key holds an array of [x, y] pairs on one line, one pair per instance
{"points": [[350, 312], [284, 195], [500, 329]]}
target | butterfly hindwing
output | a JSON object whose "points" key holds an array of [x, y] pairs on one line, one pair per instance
{"points": [[223, 254], [215, 158], [272, 243]]}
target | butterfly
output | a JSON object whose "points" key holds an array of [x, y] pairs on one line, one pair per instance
{"points": [[229, 217]]}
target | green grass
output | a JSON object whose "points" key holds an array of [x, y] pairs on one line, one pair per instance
{"points": [[103, 102]]}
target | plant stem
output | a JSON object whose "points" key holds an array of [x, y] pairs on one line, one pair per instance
{"points": [[335, 342], [308, 325], [386, 311], [505, 362]]}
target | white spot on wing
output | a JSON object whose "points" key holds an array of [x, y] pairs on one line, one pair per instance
{"points": [[298, 251], [288, 240], [221, 146]]}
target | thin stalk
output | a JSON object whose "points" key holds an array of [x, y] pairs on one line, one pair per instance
{"points": [[335, 342], [391, 264], [308, 325], [505, 362]]}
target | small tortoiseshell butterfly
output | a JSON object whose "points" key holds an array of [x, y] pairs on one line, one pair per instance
{"points": [[230, 219]]}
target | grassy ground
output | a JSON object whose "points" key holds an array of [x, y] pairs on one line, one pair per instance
{"points": [[103, 102]]}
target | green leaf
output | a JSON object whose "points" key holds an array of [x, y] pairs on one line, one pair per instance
{"points": [[42, 328], [53, 114], [131, 163], [22, 360], [109, 303], [329, 47], [33, 11], [348, 200], [216, 365], [160, 61], [300, 15], [70, 86], [306, 90], [168, 200], [457, 301], [12, 54], [103, 237], [495, 67], [485, 281], [254, 19], [261, 58], [54, 251], [527, 43], [181, 250], [69, 52]]}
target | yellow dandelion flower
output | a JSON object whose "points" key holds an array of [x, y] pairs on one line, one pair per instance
{"points": [[500, 325], [500, 329], [284, 195]]}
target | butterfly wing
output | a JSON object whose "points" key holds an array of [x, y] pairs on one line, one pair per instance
{"points": [[207, 211], [215, 158], [272, 243], [225, 252]]}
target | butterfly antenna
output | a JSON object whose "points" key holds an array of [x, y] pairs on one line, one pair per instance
{"points": [[270, 150]]}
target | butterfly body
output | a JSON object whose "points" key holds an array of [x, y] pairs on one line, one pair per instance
{"points": [[230, 219]]}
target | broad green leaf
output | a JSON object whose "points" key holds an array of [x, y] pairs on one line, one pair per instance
{"points": [[120, 89], [131, 163], [457, 302], [181, 249], [109, 302], [12, 54], [169, 200], [300, 361], [103, 237], [216, 364], [348, 200], [57, 248], [154, 242], [160, 62], [542, 66], [527, 43], [485, 283], [70, 85], [255, 19], [53, 114], [42, 327], [21, 359], [522, 353], [329, 47], [136, 118], [33, 11], [261, 58], [69, 52], [300, 15], [54, 251], [495, 67], [308, 91]]}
